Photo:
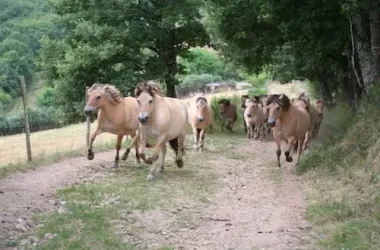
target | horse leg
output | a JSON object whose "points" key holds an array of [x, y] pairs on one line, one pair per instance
{"points": [[202, 136], [118, 146], [248, 130], [163, 158], [181, 144], [300, 150], [278, 151], [90, 154], [307, 140], [291, 142], [196, 137], [157, 149]]}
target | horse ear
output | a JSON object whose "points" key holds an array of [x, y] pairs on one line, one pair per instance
{"points": [[281, 96]]}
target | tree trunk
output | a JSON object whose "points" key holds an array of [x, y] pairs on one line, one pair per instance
{"points": [[367, 43]]}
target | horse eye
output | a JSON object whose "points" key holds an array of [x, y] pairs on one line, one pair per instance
{"points": [[138, 101], [278, 108], [150, 101], [98, 97]]}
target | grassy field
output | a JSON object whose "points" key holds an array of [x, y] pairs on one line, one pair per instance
{"points": [[342, 181]]}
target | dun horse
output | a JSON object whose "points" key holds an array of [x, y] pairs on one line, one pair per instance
{"points": [[254, 119], [117, 115], [200, 118], [228, 113], [290, 123], [319, 106], [163, 118]]}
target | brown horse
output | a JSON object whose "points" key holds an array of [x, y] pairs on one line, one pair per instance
{"points": [[200, 118], [228, 113], [163, 118], [117, 115], [290, 122], [254, 119]]}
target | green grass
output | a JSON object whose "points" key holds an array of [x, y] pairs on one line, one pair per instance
{"points": [[342, 179]]}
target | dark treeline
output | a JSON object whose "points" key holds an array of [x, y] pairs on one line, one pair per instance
{"points": [[72, 44]]}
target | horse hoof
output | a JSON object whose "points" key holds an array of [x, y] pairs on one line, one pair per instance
{"points": [[161, 169], [115, 165], [179, 163], [138, 161], [90, 156], [124, 158], [289, 159], [149, 160], [150, 177]]}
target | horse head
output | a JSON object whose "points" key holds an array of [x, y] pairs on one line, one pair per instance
{"points": [[100, 95], [277, 105], [201, 104], [146, 92]]}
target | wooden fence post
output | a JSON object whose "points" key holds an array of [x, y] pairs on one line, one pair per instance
{"points": [[88, 121], [27, 127]]}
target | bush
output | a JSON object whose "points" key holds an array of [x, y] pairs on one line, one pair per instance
{"points": [[46, 97], [197, 82], [38, 119], [6, 101]]}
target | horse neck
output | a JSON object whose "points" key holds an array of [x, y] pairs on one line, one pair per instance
{"points": [[111, 111], [286, 116]]}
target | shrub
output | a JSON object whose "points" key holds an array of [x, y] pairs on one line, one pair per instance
{"points": [[6, 101], [46, 97]]}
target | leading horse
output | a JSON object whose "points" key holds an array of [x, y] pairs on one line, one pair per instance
{"points": [[117, 115], [163, 118]]}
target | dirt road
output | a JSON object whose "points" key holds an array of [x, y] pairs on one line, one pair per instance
{"points": [[254, 205]]}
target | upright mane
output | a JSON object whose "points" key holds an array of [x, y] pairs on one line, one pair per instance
{"points": [[224, 101], [150, 87], [112, 93], [201, 98], [283, 101], [271, 98]]}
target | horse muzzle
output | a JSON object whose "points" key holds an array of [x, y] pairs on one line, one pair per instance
{"points": [[88, 110], [249, 115], [200, 118], [143, 119], [272, 123]]}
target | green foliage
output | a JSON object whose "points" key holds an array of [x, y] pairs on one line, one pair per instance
{"points": [[197, 82], [266, 35], [46, 97], [119, 42], [6, 101], [23, 23], [38, 118], [200, 66]]}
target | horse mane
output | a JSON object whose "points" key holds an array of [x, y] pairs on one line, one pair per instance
{"points": [[112, 93], [271, 98], [256, 98], [148, 86], [201, 98], [283, 101], [224, 101]]}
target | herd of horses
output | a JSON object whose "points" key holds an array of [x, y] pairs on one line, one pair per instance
{"points": [[151, 115]]}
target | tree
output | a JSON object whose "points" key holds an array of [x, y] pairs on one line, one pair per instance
{"points": [[308, 39]]}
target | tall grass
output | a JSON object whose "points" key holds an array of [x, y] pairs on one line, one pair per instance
{"points": [[343, 180]]}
